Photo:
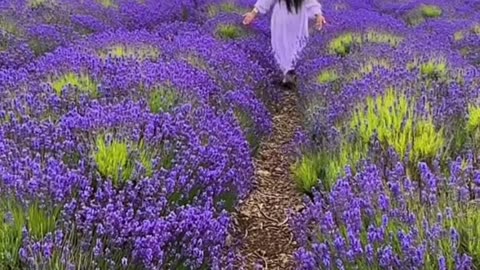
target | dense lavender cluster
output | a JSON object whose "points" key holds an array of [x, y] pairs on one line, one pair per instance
{"points": [[127, 131], [389, 154]]}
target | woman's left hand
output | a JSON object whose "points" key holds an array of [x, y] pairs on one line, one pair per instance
{"points": [[320, 22]]}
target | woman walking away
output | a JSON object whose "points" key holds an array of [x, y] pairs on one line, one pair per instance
{"points": [[289, 25]]}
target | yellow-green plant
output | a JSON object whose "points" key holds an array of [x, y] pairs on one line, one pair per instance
{"points": [[467, 222], [427, 140], [38, 3], [248, 127], [326, 167], [424, 12], [113, 160], [473, 123], [327, 76], [392, 118], [14, 217], [229, 31], [8, 26], [82, 82], [163, 99], [138, 51], [476, 29], [107, 3], [342, 45], [367, 68], [228, 7], [459, 35], [382, 38], [431, 11], [434, 69]]}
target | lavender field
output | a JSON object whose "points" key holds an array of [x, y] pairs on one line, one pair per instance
{"points": [[145, 134]]}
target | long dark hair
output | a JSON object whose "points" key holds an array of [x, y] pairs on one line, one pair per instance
{"points": [[297, 4]]}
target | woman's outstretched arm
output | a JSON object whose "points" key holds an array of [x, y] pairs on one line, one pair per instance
{"points": [[263, 6], [314, 8]]}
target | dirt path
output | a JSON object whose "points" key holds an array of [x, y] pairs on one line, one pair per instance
{"points": [[262, 221]]}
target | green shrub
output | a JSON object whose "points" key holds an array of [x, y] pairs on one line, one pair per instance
{"points": [[424, 12], [473, 122], [141, 52], [249, 129], [476, 29], [114, 160], [107, 3], [327, 76], [367, 68], [342, 45], [382, 38], [163, 99], [392, 118], [229, 32], [325, 167], [459, 35], [228, 7], [431, 11], [82, 82], [434, 69], [14, 217]]}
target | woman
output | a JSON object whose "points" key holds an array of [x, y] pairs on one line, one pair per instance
{"points": [[289, 29]]}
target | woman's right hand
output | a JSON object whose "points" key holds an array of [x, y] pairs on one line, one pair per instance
{"points": [[249, 17]]}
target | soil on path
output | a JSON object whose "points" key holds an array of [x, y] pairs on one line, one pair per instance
{"points": [[262, 219]]}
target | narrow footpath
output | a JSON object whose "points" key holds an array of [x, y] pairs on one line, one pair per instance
{"points": [[262, 219]]}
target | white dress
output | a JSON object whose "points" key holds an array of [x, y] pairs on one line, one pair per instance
{"points": [[289, 30]]}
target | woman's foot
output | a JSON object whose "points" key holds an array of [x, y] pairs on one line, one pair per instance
{"points": [[290, 79]]}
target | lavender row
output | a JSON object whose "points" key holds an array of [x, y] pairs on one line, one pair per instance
{"points": [[389, 155], [127, 131]]}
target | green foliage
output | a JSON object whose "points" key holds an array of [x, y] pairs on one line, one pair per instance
{"points": [[459, 35], [249, 129], [427, 141], [424, 12], [229, 32], [342, 45], [140, 51], [197, 62], [116, 159], [163, 99], [473, 122], [107, 3], [392, 118], [113, 160], [228, 7], [327, 76], [14, 217], [382, 38], [367, 67], [306, 172], [8, 26], [431, 11], [467, 223], [82, 82], [434, 69], [476, 29], [38, 3], [325, 167]]}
